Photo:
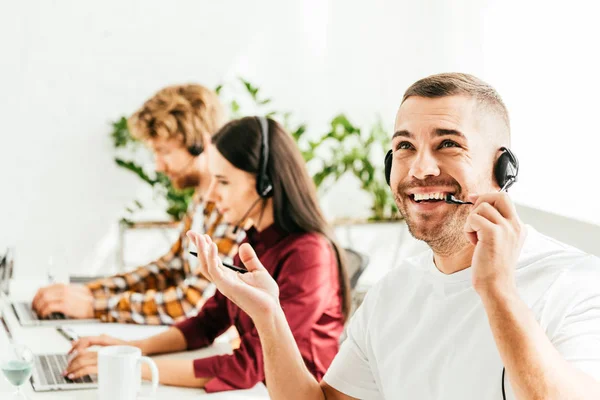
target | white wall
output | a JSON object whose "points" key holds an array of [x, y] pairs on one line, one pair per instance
{"points": [[584, 235], [67, 68], [543, 58]]}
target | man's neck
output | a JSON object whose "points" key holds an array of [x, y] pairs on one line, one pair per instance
{"points": [[456, 261], [202, 188]]}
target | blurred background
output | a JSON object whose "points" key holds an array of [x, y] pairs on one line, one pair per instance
{"points": [[70, 70]]}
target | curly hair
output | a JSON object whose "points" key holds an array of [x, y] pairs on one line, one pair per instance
{"points": [[183, 112]]}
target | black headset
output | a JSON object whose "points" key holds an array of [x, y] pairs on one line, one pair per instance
{"points": [[264, 187], [506, 168], [195, 149]]}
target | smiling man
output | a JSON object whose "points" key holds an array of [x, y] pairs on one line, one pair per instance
{"points": [[445, 144], [493, 310]]}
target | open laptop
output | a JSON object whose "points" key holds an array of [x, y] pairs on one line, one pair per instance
{"points": [[23, 311], [47, 375], [28, 317]]}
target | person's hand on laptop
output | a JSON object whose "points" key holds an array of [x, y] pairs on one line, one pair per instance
{"points": [[84, 362], [75, 301]]}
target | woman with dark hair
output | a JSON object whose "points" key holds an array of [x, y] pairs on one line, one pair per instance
{"points": [[258, 175]]}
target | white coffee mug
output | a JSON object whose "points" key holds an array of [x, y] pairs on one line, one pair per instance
{"points": [[120, 372]]}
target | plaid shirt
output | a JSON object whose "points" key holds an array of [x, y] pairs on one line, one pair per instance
{"points": [[167, 290]]}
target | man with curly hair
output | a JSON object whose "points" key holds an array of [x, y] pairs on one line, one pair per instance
{"points": [[176, 123]]}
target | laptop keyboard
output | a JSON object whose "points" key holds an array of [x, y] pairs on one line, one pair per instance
{"points": [[49, 369]]}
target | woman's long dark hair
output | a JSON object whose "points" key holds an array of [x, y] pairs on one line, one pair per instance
{"points": [[295, 204]]}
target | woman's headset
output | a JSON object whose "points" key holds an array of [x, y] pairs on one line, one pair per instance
{"points": [[264, 187]]}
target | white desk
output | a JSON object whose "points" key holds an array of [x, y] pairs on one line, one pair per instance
{"points": [[48, 340]]}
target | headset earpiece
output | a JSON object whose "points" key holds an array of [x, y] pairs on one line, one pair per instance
{"points": [[195, 149], [506, 169], [388, 166], [264, 187]]}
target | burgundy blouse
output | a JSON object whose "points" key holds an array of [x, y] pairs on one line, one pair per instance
{"points": [[305, 268]]}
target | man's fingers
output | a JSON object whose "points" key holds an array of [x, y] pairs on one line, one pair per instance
{"points": [[479, 226], [490, 213], [501, 201], [472, 236], [473, 198], [36, 298], [47, 292], [249, 258], [46, 297], [51, 307]]}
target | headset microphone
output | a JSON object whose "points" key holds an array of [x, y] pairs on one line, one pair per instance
{"points": [[506, 170], [238, 224], [450, 199]]}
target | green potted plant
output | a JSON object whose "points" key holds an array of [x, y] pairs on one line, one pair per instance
{"points": [[343, 149], [356, 151]]}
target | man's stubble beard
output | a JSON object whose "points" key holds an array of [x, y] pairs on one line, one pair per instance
{"points": [[446, 237], [189, 180]]}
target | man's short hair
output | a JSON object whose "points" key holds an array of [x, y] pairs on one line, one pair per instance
{"points": [[452, 84], [183, 112]]}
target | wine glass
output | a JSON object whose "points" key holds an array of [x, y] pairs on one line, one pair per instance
{"points": [[17, 366]]}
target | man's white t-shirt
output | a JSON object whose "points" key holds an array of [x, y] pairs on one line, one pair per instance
{"points": [[421, 334]]}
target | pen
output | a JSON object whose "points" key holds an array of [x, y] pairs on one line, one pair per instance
{"points": [[231, 267], [67, 333]]}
